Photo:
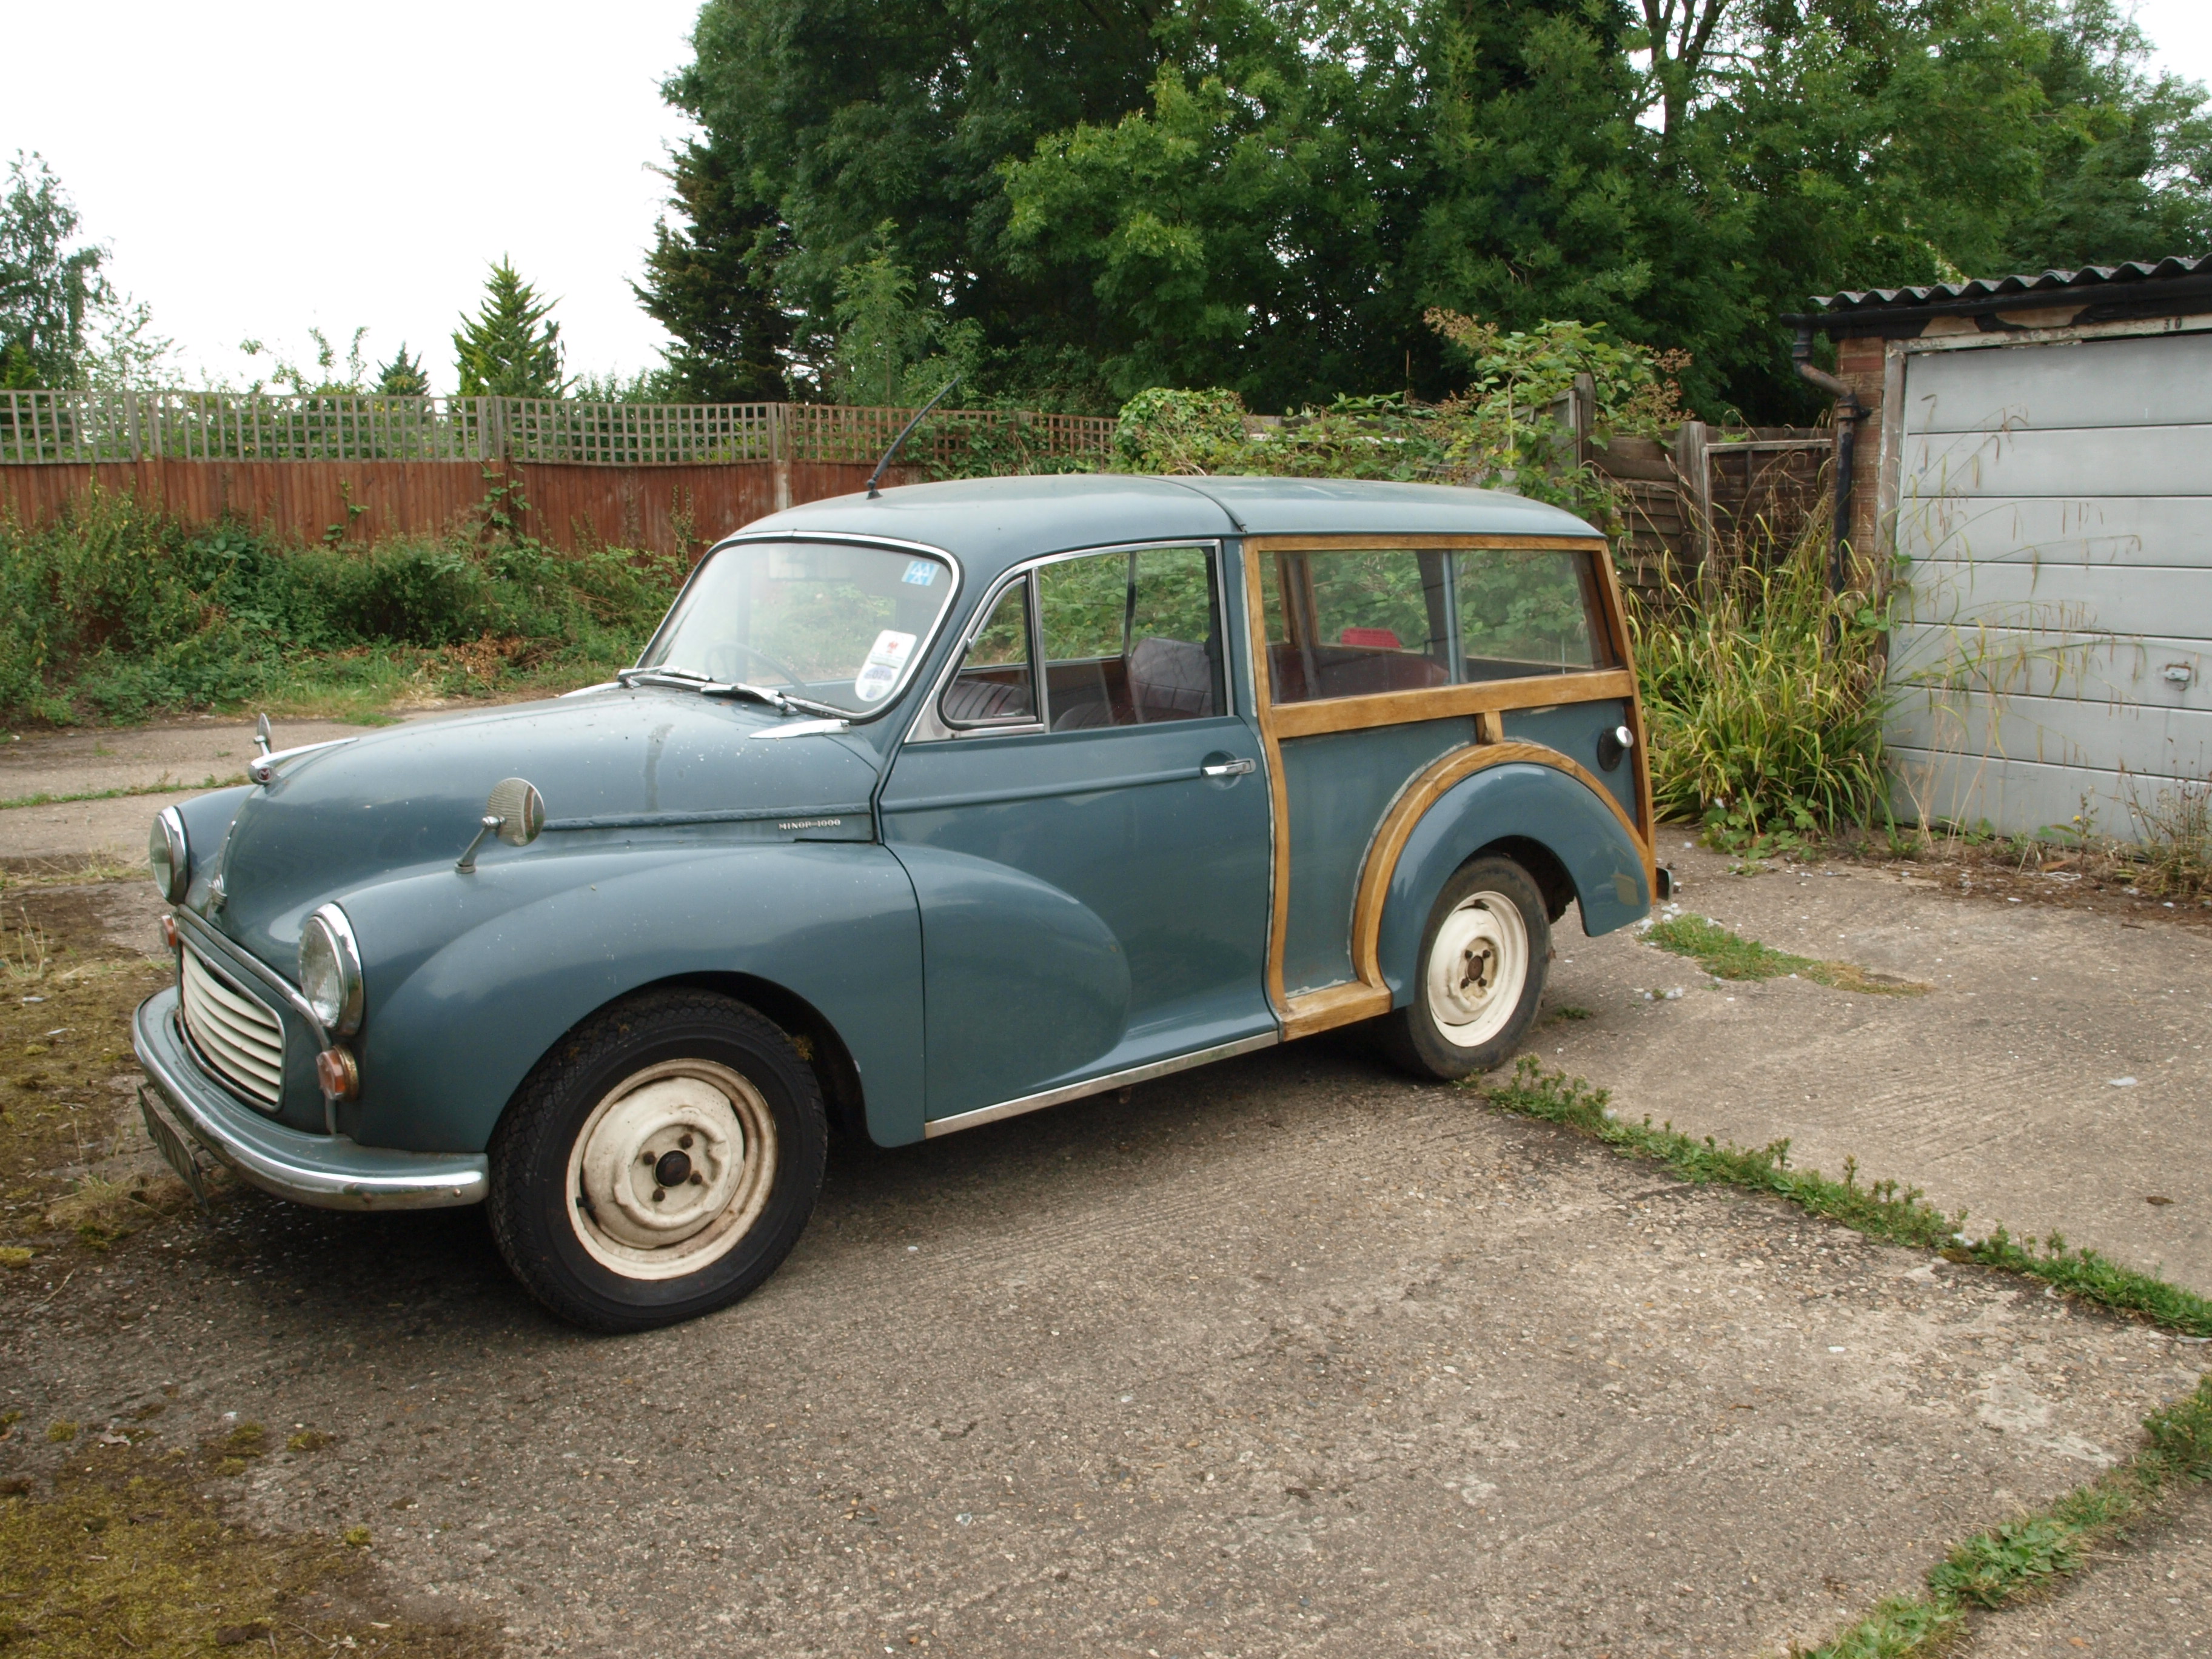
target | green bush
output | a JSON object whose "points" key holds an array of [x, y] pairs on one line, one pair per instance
{"points": [[1764, 698], [116, 611]]}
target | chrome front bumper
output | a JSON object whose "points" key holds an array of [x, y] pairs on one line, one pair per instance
{"points": [[328, 1171]]}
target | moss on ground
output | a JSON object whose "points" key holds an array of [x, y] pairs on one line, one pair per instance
{"points": [[128, 1548], [1726, 956]]}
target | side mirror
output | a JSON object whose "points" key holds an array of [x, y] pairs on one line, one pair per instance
{"points": [[520, 808], [515, 814]]}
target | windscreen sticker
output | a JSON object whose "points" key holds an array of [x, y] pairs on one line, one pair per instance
{"points": [[921, 573], [887, 659]]}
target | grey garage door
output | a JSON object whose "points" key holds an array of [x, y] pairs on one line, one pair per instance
{"points": [[2055, 512]]}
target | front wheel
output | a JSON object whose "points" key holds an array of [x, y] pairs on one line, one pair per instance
{"points": [[659, 1164], [1481, 974]]}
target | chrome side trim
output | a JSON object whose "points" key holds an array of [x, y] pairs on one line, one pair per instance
{"points": [[1097, 1085], [327, 1171]]}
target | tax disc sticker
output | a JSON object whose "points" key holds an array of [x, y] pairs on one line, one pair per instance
{"points": [[920, 572], [886, 661]]}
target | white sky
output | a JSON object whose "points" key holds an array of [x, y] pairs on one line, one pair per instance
{"points": [[259, 168]]}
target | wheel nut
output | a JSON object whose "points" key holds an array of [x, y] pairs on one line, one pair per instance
{"points": [[685, 1143], [698, 1180], [658, 1193]]}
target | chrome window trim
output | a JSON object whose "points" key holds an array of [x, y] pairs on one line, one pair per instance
{"points": [[930, 727], [888, 544]]}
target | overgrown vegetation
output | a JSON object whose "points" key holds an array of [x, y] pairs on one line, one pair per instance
{"points": [[114, 611], [1727, 956], [1763, 695]]}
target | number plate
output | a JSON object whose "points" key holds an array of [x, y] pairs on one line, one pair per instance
{"points": [[177, 1155]]}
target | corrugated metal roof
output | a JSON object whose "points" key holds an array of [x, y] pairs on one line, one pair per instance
{"points": [[1998, 287]]}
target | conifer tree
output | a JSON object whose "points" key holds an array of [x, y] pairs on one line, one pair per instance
{"points": [[404, 376], [509, 350]]}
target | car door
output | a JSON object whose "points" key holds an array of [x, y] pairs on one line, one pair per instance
{"points": [[1087, 833]]}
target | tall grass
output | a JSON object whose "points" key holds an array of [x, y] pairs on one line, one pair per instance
{"points": [[1763, 695], [116, 612]]}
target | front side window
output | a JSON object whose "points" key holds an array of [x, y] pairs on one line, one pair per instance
{"points": [[839, 624], [1361, 622], [1129, 638]]}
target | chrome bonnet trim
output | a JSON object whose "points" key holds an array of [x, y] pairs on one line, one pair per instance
{"points": [[329, 1172], [1097, 1085]]}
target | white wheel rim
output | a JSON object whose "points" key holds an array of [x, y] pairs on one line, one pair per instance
{"points": [[1477, 970], [671, 1170]]}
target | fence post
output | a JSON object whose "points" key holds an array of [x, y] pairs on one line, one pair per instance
{"points": [[779, 449], [1693, 484]]}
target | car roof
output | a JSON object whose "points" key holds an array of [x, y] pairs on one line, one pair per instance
{"points": [[993, 523]]}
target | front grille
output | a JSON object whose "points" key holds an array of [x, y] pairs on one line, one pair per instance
{"points": [[237, 1035]]}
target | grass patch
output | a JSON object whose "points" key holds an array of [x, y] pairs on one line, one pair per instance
{"points": [[123, 1555], [1726, 956], [166, 787], [1995, 1567]]}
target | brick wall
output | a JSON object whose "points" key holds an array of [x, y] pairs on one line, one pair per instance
{"points": [[1859, 366]]}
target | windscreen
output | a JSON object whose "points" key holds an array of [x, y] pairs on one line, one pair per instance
{"points": [[840, 624]]}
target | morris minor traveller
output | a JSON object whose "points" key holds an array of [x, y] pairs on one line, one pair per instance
{"points": [[919, 810]]}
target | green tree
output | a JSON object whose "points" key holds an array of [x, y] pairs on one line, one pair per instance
{"points": [[47, 286], [404, 376], [1266, 196], [710, 281], [508, 349], [894, 346]]}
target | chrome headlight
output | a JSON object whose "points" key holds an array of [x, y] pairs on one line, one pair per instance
{"points": [[166, 850], [330, 970]]}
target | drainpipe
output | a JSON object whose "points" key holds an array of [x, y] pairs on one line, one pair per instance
{"points": [[1847, 428]]}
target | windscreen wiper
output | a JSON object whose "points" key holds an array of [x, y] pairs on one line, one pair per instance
{"points": [[684, 679], [782, 701]]}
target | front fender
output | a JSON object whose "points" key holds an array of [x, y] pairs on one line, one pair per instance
{"points": [[454, 1026], [1519, 799]]}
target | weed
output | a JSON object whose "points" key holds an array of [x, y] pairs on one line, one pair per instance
{"points": [[58, 1433], [308, 1440], [1725, 956], [2174, 844], [356, 1538], [1764, 698]]}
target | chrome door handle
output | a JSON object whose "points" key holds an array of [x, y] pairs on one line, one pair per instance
{"points": [[1236, 769]]}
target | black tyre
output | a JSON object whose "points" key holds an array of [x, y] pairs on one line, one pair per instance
{"points": [[659, 1164], [1483, 958]]}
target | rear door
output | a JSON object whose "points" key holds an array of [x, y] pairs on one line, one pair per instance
{"points": [[1087, 832]]}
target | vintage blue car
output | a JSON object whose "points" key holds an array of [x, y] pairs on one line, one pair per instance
{"points": [[919, 810]]}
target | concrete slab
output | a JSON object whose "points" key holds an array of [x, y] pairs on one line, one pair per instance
{"points": [[2056, 1077], [1286, 1356]]}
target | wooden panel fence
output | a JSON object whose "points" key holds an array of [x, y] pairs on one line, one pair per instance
{"points": [[666, 509]]}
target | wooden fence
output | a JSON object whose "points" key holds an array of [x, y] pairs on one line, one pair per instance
{"points": [[42, 427], [672, 477]]}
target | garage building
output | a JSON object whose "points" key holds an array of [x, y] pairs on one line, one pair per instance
{"points": [[2035, 453]]}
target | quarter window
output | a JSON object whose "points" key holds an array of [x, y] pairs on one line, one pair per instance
{"points": [[995, 686]]}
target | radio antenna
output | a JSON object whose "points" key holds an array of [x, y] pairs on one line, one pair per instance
{"points": [[908, 427]]}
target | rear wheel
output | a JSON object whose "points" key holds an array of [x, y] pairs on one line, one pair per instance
{"points": [[660, 1164], [1480, 977]]}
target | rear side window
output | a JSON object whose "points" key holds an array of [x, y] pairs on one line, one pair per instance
{"points": [[1527, 611], [1360, 621]]}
